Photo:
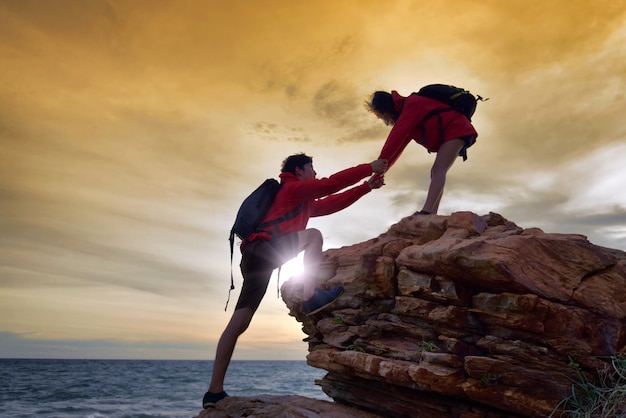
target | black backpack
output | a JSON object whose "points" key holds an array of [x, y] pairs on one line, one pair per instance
{"points": [[250, 214], [457, 98]]}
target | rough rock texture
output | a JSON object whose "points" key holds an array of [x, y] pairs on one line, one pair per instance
{"points": [[463, 316], [268, 406]]}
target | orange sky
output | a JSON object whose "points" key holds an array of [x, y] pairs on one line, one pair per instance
{"points": [[130, 131]]}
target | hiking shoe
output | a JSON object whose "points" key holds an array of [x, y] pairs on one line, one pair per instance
{"points": [[210, 399], [320, 300]]}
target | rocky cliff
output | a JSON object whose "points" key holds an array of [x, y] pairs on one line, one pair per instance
{"points": [[463, 316]]}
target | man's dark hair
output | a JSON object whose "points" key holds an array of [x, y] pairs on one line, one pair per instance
{"points": [[295, 161], [382, 103]]}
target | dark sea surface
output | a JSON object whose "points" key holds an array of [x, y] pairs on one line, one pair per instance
{"points": [[138, 388]]}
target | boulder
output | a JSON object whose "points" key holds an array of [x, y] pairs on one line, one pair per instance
{"points": [[464, 316]]}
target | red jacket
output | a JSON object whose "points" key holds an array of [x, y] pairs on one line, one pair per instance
{"points": [[412, 110], [310, 192]]}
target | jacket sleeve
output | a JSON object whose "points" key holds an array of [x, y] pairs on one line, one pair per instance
{"points": [[318, 188], [336, 202]]}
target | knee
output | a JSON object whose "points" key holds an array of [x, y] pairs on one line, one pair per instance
{"points": [[240, 321], [434, 172], [316, 233], [439, 171], [314, 237]]}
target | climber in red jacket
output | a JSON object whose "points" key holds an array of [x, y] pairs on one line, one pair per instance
{"points": [[448, 134], [264, 251]]}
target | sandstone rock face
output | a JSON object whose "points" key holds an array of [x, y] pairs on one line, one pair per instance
{"points": [[464, 316]]}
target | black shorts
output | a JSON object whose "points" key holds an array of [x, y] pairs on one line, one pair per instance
{"points": [[258, 261]]}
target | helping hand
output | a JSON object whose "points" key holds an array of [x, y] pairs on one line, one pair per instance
{"points": [[376, 181], [379, 166]]}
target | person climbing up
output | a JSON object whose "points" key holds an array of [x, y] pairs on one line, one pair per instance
{"points": [[431, 123], [267, 249]]}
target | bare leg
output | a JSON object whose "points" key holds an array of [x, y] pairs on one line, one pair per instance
{"points": [[310, 241], [236, 326], [446, 156]]}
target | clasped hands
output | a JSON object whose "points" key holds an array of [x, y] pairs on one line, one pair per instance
{"points": [[377, 180]]}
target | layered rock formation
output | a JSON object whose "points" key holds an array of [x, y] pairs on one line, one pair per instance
{"points": [[464, 316]]}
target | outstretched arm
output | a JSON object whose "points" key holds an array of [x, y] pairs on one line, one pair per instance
{"points": [[400, 135], [394, 145], [339, 201]]}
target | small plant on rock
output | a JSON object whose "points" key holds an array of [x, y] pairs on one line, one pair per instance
{"points": [[428, 346], [354, 347], [573, 363], [490, 378], [337, 320], [607, 398]]}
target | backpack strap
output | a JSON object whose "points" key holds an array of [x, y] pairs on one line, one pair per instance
{"points": [[231, 238], [289, 215], [438, 112]]}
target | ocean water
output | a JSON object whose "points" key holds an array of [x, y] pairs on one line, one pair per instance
{"points": [[138, 388]]}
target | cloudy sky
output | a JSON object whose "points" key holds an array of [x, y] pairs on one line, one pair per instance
{"points": [[131, 130]]}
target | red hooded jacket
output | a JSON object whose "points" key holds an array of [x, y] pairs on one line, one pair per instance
{"points": [[408, 127], [311, 193]]}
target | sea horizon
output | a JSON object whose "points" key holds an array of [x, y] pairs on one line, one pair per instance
{"points": [[125, 388]]}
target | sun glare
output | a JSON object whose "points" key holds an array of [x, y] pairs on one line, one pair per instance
{"points": [[293, 267]]}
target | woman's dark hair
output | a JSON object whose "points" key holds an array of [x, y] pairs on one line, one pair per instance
{"points": [[382, 103], [295, 161]]}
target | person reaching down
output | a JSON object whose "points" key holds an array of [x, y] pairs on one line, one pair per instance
{"points": [[448, 133]]}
